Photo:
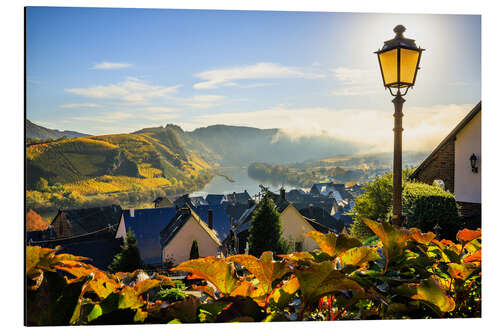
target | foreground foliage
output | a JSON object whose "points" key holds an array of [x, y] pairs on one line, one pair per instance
{"points": [[406, 274]]}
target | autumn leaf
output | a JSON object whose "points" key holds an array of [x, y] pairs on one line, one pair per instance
{"points": [[394, 239], [265, 269], [461, 271], [422, 238], [430, 291], [359, 256], [332, 244], [144, 286], [474, 257], [322, 279], [467, 235], [219, 272], [280, 297]]}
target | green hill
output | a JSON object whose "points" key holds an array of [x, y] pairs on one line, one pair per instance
{"points": [[113, 163]]}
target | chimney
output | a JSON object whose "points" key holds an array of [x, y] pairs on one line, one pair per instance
{"points": [[210, 218], [185, 211], [132, 211], [282, 194]]}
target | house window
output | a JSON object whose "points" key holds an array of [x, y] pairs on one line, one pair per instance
{"points": [[298, 246]]}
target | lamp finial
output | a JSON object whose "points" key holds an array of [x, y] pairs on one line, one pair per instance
{"points": [[399, 29]]}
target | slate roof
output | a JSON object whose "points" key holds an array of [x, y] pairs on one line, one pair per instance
{"points": [[100, 246], [40, 235], [177, 222], [245, 220], [100, 250], [91, 219], [241, 198], [235, 210], [319, 215], [221, 221], [147, 225], [198, 201], [215, 199]]}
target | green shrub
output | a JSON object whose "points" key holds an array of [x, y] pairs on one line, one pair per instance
{"points": [[172, 294], [430, 208]]}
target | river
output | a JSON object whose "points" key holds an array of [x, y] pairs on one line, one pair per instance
{"points": [[220, 185]]}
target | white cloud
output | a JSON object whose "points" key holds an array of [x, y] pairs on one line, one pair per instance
{"points": [[79, 105], [424, 127], [110, 65], [160, 109], [132, 90], [216, 78], [355, 81]]}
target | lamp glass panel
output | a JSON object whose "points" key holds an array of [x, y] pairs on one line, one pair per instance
{"points": [[409, 63], [389, 63]]}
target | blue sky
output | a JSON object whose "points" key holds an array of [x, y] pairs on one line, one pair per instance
{"points": [[103, 71]]}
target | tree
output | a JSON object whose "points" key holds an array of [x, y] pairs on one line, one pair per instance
{"points": [[375, 203], [265, 232], [194, 253], [129, 259], [35, 222]]}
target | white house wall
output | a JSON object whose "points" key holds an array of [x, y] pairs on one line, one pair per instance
{"points": [[295, 228], [468, 142], [180, 246]]}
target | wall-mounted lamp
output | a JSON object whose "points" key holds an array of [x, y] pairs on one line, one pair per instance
{"points": [[473, 163]]}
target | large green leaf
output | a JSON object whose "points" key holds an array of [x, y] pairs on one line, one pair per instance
{"points": [[332, 244], [394, 239], [430, 292], [218, 271], [322, 279], [265, 269], [359, 256], [280, 297]]}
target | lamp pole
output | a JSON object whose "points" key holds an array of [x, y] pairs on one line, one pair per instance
{"points": [[397, 206], [399, 61]]}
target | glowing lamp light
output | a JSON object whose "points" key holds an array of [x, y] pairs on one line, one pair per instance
{"points": [[399, 59]]}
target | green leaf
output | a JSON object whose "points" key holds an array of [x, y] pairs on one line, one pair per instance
{"points": [[332, 244], [430, 292], [281, 297], [322, 279], [393, 238], [359, 256]]}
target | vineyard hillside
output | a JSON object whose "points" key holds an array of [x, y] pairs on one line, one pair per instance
{"points": [[101, 164]]}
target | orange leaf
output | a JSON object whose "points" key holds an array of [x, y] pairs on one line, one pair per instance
{"points": [[144, 286], [265, 269], [475, 257], [421, 238], [466, 235]]}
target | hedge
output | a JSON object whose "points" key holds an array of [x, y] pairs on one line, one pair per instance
{"points": [[430, 208]]}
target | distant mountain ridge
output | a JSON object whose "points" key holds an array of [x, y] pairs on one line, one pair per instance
{"points": [[34, 131], [162, 156]]}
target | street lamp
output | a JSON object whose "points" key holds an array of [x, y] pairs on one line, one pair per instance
{"points": [[398, 59]]}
